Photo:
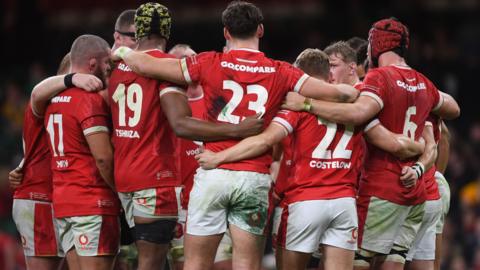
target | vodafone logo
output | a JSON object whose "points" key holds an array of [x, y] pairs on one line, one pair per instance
{"points": [[83, 239], [354, 236], [142, 201]]}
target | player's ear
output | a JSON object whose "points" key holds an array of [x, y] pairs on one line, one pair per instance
{"points": [[353, 68], [260, 30], [226, 34], [92, 64], [116, 37]]}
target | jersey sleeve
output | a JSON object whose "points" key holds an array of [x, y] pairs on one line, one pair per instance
{"points": [[374, 86], [165, 88], [192, 66], [93, 114], [294, 77], [437, 98], [287, 119]]}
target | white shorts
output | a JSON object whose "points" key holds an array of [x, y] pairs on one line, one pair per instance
{"points": [[90, 235], [37, 227], [423, 247], [383, 224], [444, 189], [224, 251], [307, 224], [155, 203], [220, 196]]}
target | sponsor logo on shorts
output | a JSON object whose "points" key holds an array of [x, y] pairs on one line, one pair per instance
{"points": [[354, 236], [142, 201], [254, 219], [83, 239]]}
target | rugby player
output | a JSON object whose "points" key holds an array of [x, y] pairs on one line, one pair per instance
{"points": [[389, 213], [85, 205]]}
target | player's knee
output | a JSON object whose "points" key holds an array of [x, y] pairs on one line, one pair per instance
{"points": [[397, 255], [363, 258], [157, 232]]}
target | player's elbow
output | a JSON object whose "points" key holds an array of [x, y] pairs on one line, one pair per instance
{"points": [[104, 162]]}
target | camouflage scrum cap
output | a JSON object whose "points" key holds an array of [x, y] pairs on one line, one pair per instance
{"points": [[152, 18]]}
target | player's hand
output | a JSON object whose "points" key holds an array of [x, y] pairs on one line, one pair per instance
{"points": [[119, 53], [250, 126], [15, 177], [87, 82], [294, 102], [208, 160], [408, 177]]}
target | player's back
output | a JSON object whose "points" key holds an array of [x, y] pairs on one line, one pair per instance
{"points": [[78, 188], [143, 140], [37, 175], [238, 84], [325, 157], [407, 97]]}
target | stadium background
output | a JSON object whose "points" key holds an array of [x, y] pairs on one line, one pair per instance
{"points": [[445, 42]]}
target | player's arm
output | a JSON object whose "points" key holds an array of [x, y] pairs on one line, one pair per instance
{"points": [[175, 106], [50, 87], [443, 149], [102, 151], [357, 113], [247, 148], [448, 108], [398, 145], [410, 175], [321, 90], [277, 151], [166, 69]]}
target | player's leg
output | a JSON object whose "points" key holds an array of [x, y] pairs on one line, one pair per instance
{"points": [[207, 217], [155, 213], [35, 223], [73, 262], [249, 212], [276, 220], [445, 197], [294, 260], [67, 243], [339, 240], [337, 258], [422, 252], [379, 223], [404, 239], [96, 239], [223, 257]]}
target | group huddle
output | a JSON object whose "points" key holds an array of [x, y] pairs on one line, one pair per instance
{"points": [[202, 152]]}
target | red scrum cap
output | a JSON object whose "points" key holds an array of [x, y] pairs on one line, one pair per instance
{"points": [[387, 35]]}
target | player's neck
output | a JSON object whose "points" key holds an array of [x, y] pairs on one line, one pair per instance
{"points": [[391, 58], [146, 44], [251, 43]]}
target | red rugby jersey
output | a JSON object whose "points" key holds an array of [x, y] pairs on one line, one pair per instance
{"points": [[37, 174], [406, 97], [324, 157], [186, 151], [238, 84], [143, 140], [286, 165], [78, 187]]}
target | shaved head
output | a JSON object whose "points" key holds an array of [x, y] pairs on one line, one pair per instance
{"points": [[86, 47]]}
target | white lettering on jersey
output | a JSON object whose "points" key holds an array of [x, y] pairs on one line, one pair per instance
{"points": [[61, 99], [124, 67], [132, 134], [192, 152], [240, 67], [411, 88], [62, 164], [330, 164]]}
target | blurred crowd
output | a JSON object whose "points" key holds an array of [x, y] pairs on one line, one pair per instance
{"points": [[444, 46]]}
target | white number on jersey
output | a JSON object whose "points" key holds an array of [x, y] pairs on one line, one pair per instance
{"points": [[340, 151], [52, 120], [226, 115], [134, 103], [409, 127]]}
